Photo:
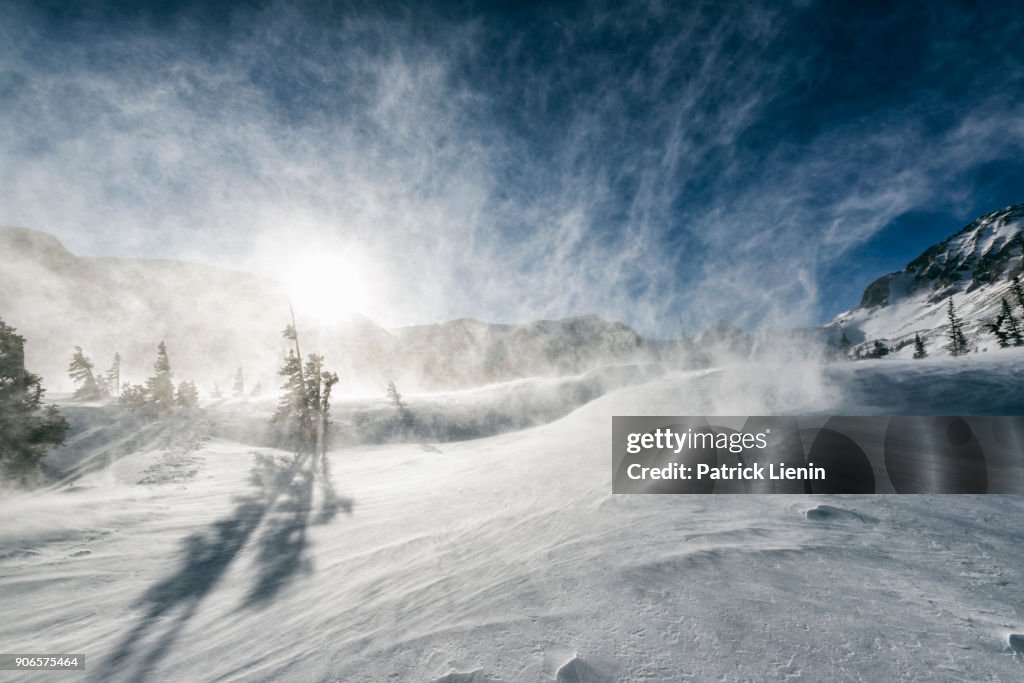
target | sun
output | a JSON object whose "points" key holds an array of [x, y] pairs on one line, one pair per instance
{"points": [[329, 287]]}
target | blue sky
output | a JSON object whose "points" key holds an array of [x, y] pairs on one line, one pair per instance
{"points": [[644, 161]]}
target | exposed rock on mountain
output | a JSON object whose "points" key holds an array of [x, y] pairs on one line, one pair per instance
{"points": [[974, 267]]}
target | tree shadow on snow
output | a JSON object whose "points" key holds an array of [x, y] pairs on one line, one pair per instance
{"points": [[282, 541], [281, 503]]}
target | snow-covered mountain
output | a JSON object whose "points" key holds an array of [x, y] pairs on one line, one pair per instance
{"points": [[215, 320], [974, 267]]}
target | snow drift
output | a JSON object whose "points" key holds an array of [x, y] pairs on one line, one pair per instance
{"points": [[506, 558]]}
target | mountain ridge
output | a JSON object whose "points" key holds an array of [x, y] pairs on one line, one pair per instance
{"points": [[973, 266], [216, 319]]}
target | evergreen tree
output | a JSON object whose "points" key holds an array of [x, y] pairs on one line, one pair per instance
{"points": [[1017, 290], [239, 387], [160, 387], [292, 413], [319, 383], [957, 341], [27, 429], [1011, 324], [397, 402], [80, 371], [187, 395], [303, 412], [395, 397], [996, 328], [919, 350], [1006, 328], [113, 376], [879, 350], [135, 397]]}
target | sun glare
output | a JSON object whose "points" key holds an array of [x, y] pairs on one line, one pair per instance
{"points": [[328, 288]]}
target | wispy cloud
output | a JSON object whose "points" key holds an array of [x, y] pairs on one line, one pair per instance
{"points": [[633, 163]]}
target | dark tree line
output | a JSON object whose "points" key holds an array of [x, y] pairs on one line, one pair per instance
{"points": [[28, 429], [157, 396], [1006, 328]]}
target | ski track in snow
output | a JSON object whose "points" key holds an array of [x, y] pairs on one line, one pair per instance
{"points": [[507, 559]]}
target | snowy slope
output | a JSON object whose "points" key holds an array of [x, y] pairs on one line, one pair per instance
{"points": [[974, 267], [506, 558]]}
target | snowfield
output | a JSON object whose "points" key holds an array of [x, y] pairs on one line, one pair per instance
{"points": [[181, 556]]}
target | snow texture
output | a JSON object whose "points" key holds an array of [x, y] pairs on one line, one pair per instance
{"points": [[170, 554]]}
